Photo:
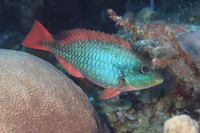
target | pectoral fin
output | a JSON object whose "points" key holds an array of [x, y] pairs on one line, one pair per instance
{"points": [[111, 92], [108, 93]]}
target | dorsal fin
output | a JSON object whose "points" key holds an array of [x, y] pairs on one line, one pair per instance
{"points": [[83, 34]]}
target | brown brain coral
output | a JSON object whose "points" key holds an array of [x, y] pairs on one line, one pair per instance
{"points": [[36, 97]]}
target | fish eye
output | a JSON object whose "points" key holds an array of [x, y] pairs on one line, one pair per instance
{"points": [[145, 69]]}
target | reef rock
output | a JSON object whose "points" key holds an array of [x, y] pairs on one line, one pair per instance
{"points": [[36, 97]]}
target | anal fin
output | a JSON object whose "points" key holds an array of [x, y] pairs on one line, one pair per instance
{"points": [[69, 68]]}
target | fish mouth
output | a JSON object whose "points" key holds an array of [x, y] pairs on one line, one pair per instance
{"points": [[158, 81], [154, 83]]}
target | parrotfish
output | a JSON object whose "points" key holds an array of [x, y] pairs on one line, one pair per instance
{"points": [[104, 59]]}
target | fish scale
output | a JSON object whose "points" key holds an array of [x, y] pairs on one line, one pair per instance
{"points": [[104, 59], [100, 73]]}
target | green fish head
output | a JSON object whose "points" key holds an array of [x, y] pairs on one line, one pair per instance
{"points": [[141, 76]]}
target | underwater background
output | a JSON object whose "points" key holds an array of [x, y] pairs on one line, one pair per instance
{"points": [[164, 32]]}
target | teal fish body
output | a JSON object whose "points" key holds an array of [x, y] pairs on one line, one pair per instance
{"points": [[106, 60]]}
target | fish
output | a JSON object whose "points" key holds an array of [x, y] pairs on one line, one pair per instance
{"points": [[104, 59]]}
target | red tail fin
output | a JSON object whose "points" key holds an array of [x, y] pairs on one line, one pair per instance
{"points": [[37, 35]]}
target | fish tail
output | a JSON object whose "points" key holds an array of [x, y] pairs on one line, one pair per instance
{"points": [[37, 36]]}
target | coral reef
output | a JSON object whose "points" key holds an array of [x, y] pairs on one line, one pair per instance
{"points": [[167, 45], [163, 39], [36, 97], [181, 124], [143, 111]]}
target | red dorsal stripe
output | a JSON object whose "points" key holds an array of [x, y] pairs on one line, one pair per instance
{"points": [[83, 34]]}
